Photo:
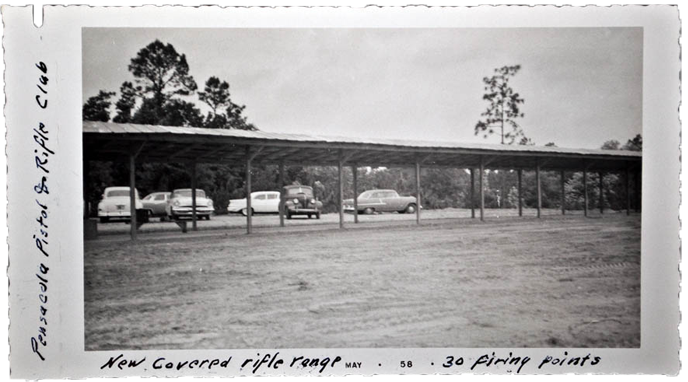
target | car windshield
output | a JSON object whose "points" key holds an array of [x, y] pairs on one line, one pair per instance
{"points": [[187, 193], [366, 195], [116, 193], [300, 190]]}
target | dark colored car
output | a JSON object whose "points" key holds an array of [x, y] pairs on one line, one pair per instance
{"points": [[299, 200], [372, 201]]}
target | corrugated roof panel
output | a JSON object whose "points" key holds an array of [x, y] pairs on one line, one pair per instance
{"points": [[131, 128], [116, 128], [103, 127], [146, 129]]}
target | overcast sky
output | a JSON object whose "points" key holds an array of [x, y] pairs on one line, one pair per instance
{"points": [[582, 86]]}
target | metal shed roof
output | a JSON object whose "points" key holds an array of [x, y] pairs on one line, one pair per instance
{"points": [[114, 141]]}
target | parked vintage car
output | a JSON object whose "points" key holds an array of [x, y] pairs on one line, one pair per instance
{"points": [[180, 204], [265, 202], [372, 201], [115, 204], [299, 200], [156, 204]]}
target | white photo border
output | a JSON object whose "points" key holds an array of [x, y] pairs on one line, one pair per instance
{"points": [[58, 44]]}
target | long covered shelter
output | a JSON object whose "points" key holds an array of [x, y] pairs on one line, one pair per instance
{"points": [[106, 141]]}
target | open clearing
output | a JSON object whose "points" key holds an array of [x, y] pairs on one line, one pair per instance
{"points": [[551, 282]]}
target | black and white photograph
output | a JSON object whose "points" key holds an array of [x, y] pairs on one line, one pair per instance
{"points": [[325, 191], [408, 187]]}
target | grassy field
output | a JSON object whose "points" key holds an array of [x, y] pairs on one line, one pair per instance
{"points": [[551, 282], [272, 220]]}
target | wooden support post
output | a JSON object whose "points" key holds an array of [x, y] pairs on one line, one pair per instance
{"points": [[539, 190], [418, 193], [132, 196], [194, 216], [340, 196], [585, 192], [472, 193], [628, 191], [481, 175], [520, 192], [85, 188], [249, 215], [281, 187], [354, 171], [250, 156], [563, 194], [638, 198], [601, 178]]}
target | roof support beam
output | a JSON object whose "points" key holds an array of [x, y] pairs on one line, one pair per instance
{"points": [[184, 150], [159, 146], [252, 155], [135, 149], [280, 155], [324, 158], [345, 156], [380, 147], [425, 158], [215, 151], [485, 161]]}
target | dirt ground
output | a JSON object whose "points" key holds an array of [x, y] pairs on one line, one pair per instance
{"points": [[551, 282]]}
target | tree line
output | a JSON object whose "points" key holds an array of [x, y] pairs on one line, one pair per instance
{"points": [[162, 92]]}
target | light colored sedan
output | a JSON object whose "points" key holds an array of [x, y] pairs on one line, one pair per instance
{"points": [[115, 204], [180, 204], [373, 201], [262, 202], [156, 204]]}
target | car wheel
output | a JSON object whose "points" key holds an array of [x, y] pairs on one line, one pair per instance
{"points": [[207, 217], [309, 216], [411, 208], [104, 220], [288, 215], [244, 211], [369, 211], [317, 215]]}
